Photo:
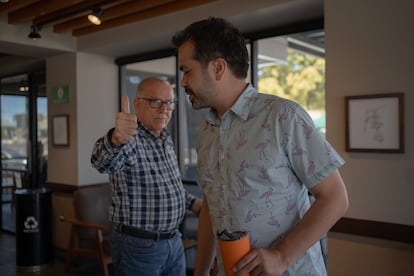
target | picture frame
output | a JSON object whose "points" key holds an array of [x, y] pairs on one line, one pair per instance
{"points": [[60, 130], [375, 123]]}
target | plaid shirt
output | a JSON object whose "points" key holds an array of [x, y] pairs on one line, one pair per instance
{"points": [[146, 181]]}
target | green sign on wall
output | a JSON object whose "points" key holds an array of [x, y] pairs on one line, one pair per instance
{"points": [[61, 94]]}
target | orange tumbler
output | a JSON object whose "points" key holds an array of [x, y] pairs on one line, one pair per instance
{"points": [[233, 246]]}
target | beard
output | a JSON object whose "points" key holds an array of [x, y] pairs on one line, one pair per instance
{"points": [[201, 98], [195, 102]]}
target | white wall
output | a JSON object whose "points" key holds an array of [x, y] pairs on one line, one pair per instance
{"points": [[93, 82], [369, 50], [97, 106], [62, 168]]}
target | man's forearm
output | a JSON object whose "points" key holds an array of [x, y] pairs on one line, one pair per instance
{"points": [[205, 244]]}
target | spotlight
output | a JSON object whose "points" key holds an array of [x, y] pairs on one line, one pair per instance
{"points": [[34, 34], [95, 16]]}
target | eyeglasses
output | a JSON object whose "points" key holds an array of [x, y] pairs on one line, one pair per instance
{"points": [[157, 103]]}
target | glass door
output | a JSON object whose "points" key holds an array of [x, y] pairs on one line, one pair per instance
{"points": [[23, 140]]}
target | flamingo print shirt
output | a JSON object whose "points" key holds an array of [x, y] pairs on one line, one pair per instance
{"points": [[255, 167]]}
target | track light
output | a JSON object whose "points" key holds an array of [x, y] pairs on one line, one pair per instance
{"points": [[95, 16], [34, 33]]}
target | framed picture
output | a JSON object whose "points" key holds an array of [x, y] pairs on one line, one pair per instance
{"points": [[375, 123], [60, 130]]}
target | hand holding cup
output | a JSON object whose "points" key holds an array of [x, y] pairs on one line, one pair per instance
{"points": [[233, 246]]}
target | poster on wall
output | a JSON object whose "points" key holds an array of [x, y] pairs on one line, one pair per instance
{"points": [[60, 130], [375, 123]]}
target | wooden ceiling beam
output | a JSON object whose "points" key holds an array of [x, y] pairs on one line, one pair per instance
{"points": [[70, 15], [138, 16], [38, 8], [134, 6], [14, 5], [63, 14], [109, 13]]}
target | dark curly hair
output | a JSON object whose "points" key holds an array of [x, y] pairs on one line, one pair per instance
{"points": [[216, 38]]}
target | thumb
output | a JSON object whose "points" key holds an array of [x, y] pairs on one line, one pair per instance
{"points": [[125, 104]]}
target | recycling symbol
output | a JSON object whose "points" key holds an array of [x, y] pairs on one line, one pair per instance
{"points": [[31, 223]]}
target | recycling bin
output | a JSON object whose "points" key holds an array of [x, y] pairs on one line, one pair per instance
{"points": [[33, 229]]}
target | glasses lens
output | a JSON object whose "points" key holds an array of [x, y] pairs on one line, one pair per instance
{"points": [[156, 103]]}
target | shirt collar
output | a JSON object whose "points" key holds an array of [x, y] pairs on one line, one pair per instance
{"points": [[163, 135], [241, 107]]}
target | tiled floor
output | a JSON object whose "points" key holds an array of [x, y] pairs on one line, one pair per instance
{"points": [[54, 268]]}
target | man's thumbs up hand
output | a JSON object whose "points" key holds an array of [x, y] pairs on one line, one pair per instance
{"points": [[125, 104], [125, 123]]}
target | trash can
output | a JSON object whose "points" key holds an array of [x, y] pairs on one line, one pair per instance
{"points": [[33, 229]]}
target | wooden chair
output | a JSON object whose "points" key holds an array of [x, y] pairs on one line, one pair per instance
{"points": [[7, 184], [12, 180], [90, 231]]}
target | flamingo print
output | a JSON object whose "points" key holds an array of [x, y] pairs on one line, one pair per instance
{"points": [[283, 115], [243, 192], [266, 126], [241, 140], [328, 151], [291, 179], [298, 151], [243, 166], [250, 215], [273, 221], [266, 196], [311, 168], [208, 174], [290, 205], [308, 129], [263, 174], [262, 149]]}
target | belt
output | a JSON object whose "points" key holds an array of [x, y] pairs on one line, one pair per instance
{"points": [[132, 231]]}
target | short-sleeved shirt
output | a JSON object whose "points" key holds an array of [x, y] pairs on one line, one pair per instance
{"points": [[255, 167]]}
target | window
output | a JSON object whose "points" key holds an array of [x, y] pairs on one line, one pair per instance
{"points": [[293, 67]]}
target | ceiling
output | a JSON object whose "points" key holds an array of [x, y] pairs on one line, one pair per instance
{"points": [[70, 16], [128, 26]]}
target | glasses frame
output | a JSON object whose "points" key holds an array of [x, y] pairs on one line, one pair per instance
{"points": [[157, 103]]}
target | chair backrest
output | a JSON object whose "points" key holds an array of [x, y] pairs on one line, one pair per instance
{"points": [[91, 205]]}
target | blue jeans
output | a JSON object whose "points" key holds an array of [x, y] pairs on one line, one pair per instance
{"points": [[133, 256]]}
